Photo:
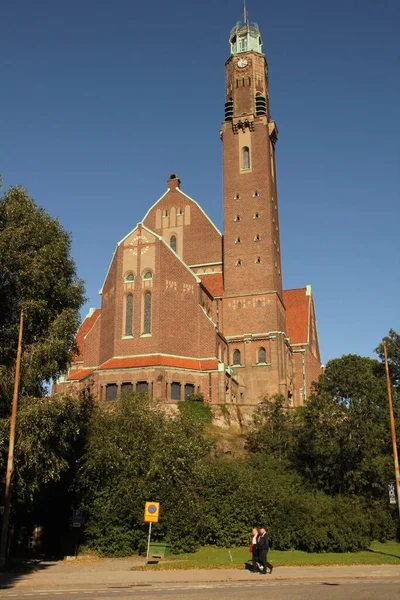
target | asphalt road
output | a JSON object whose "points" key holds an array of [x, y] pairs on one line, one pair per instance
{"points": [[334, 589]]}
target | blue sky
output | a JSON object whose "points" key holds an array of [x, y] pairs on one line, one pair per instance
{"points": [[101, 100]]}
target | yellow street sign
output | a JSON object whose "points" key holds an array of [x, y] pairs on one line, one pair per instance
{"points": [[151, 512]]}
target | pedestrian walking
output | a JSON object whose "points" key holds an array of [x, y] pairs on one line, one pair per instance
{"points": [[263, 547], [254, 549]]}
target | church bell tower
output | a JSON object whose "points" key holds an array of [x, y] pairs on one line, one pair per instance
{"points": [[254, 313]]}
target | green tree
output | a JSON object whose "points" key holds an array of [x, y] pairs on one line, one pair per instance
{"points": [[274, 427], [393, 351], [36, 272], [137, 453], [343, 442]]}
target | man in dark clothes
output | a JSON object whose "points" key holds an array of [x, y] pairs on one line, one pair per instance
{"points": [[263, 547]]}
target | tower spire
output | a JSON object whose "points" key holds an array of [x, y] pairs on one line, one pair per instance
{"points": [[244, 12]]}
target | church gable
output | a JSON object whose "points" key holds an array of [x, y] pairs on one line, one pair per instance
{"points": [[184, 226]]}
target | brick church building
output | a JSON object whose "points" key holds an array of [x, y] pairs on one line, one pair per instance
{"points": [[185, 308]]}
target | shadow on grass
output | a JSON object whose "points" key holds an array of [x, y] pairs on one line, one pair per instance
{"points": [[383, 553], [16, 569]]}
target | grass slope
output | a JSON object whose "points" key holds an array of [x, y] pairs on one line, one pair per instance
{"points": [[234, 558]]}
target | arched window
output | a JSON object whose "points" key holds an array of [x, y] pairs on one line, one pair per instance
{"points": [[172, 242], [147, 313], [130, 277], [129, 315], [262, 355], [148, 275], [236, 357], [246, 157]]}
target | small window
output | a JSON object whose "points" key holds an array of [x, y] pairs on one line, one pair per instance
{"points": [[236, 357], [245, 158], [172, 242], [175, 391], [258, 260], [165, 214], [237, 197], [189, 389], [142, 387], [180, 212], [262, 355], [239, 305], [148, 275], [111, 391], [237, 218], [257, 238], [126, 389], [256, 194], [237, 241], [258, 302], [239, 263], [130, 277], [257, 216]]}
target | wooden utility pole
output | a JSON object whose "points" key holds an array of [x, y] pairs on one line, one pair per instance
{"points": [[393, 427], [10, 462]]}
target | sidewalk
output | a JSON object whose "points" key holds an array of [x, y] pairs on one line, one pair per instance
{"points": [[97, 573]]}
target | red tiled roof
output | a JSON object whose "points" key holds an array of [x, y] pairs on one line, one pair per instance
{"points": [[297, 303], [78, 375], [214, 283], [162, 361], [83, 331]]}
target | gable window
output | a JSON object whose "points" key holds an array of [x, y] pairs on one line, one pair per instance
{"points": [[129, 315], [175, 391], [148, 275], [189, 389], [236, 357], [147, 313], [245, 158], [262, 355], [111, 391], [172, 242], [130, 277]]}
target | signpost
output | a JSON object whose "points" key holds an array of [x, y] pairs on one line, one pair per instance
{"points": [[151, 514]]}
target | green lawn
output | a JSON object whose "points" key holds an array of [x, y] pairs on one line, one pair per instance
{"points": [[234, 558]]}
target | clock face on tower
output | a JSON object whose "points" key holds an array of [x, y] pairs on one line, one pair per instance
{"points": [[242, 62]]}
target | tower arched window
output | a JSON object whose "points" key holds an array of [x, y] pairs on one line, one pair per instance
{"points": [[245, 158], [262, 355], [147, 313], [236, 357], [148, 275], [129, 277], [172, 242], [129, 315]]}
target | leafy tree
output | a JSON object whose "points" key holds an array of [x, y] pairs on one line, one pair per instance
{"points": [[36, 272], [393, 352], [136, 453], [50, 435], [343, 442], [274, 427]]}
